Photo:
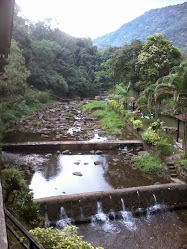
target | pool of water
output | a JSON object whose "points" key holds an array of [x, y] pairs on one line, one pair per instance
{"points": [[59, 174], [161, 230]]}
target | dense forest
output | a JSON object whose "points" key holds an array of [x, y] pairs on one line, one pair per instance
{"points": [[171, 21]]}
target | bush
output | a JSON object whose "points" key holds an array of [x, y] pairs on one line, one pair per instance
{"points": [[164, 147], [137, 124], [149, 164], [8, 116], [150, 136], [43, 97], [17, 198], [155, 126], [55, 239], [183, 163]]}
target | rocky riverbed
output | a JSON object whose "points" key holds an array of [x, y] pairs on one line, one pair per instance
{"points": [[60, 121]]}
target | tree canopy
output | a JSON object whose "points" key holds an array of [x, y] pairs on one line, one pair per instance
{"points": [[156, 59]]}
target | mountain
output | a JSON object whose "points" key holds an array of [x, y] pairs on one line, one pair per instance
{"points": [[171, 21]]}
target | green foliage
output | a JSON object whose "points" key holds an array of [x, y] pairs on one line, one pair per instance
{"points": [[18, 199], [42, 97], [110, 120], [150, 136], [65, 65], [55, 239], [164, 147], [155, 126], [149, 164], [156, 59], [183, 163], [123, 63], [137, 124], [17, 74]]}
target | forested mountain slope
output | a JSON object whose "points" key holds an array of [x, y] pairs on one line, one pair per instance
{"points": [[171, 21]]}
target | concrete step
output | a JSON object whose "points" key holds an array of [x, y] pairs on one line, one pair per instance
{"points": [[170, 164], [172, 170], [173, 175], [171, 167]]}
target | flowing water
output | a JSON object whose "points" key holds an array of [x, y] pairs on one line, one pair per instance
{"points": [[157, 229], [161, 230]]}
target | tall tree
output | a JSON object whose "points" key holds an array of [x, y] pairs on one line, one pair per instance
{"points": [[123, 63], [17, 74], [156, 59]]}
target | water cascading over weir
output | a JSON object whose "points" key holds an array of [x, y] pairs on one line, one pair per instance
{"points": [[81, 207]]}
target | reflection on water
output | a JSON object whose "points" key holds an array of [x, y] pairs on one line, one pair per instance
{"points": [[54, 172], [64, 182], [161, 231]]}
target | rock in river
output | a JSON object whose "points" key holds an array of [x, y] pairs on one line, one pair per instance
{"points": [[77, 173]]}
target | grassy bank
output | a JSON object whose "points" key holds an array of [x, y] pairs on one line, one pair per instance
{"points": [[110, 121], [150, 164]]}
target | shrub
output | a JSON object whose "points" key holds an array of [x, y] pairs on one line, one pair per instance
{"points": [[150, 136], [18, 199], [55, 239], [183, 163], [8, 116], [43, 97], [155, 126], [137, 124], [149, 164], [29, 98], [164, 147]]}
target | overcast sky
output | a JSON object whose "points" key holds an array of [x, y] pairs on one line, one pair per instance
{"points": [[90, 18]]}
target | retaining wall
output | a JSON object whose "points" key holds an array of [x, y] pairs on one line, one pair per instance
{"points": [[69, 145], [84, 205]]}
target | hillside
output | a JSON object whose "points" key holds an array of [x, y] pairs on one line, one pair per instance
{"points": [[171, 21]]}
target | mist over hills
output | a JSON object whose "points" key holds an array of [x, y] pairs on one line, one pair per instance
{"points": [[171, 21]]}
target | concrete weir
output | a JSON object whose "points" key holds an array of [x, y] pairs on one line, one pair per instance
{"points": [[81, 207], [69, 145]]}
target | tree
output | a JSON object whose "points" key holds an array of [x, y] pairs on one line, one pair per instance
{"points": [[123, 63], [156, 59], [175, 84], [43, 67], [17, 74], [121, 92]]}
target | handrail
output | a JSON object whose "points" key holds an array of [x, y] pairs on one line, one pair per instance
{"points": [[33, 243]]}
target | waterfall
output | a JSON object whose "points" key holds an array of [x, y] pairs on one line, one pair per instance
{"points": [[47, 222], [64, 219], [123, 205], [127, 218], [155, 208], [154, 197], [101, 220]]}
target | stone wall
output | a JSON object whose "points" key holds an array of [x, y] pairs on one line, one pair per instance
{"points": [[84, 205]]}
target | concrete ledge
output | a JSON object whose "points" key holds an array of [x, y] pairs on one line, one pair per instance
{"points": [[78, 205], [68, 145]]}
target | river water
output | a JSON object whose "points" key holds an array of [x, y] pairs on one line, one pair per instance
{"points": [[54, 173], [163, 230]]}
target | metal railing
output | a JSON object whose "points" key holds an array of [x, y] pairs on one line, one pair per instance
{"points": [[29, 241]]}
